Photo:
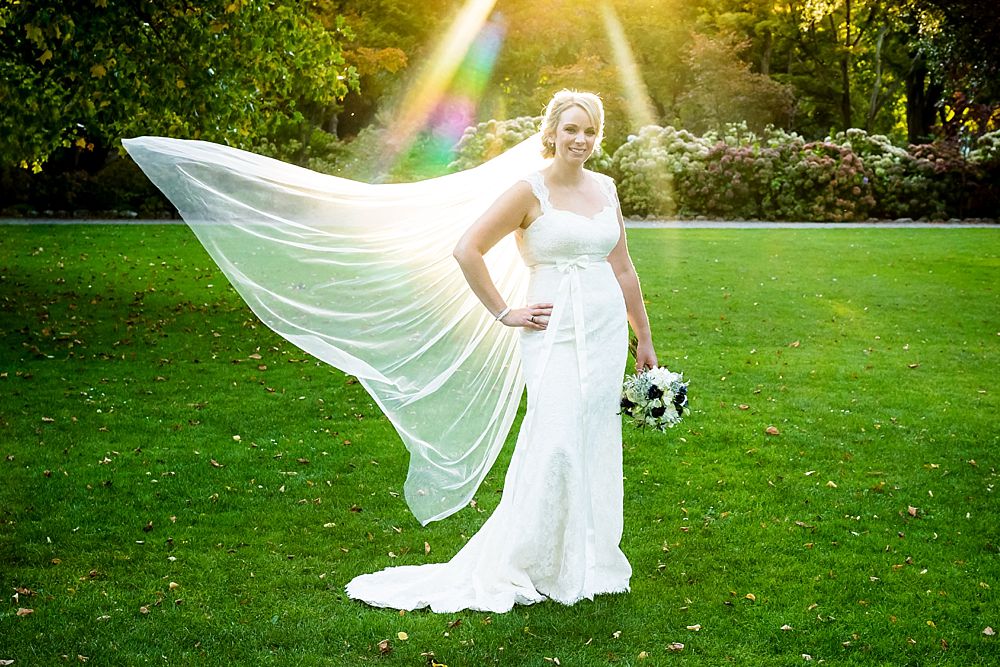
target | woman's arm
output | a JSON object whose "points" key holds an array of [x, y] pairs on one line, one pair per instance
{"points": [[504, 216], [621, 264]]}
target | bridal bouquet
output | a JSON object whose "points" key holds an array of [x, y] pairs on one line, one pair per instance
{"points": [[656, 397]]}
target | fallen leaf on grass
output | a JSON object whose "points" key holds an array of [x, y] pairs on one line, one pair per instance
{"points": [[751, 597], [676, 647], [6, 662], [427, 548], [384, 647], [616, 634], [772, 430], [806, 657], [911, 510], [794, 344], [988, 631], [643, 655], [144, 610], [554, 661], [787, 627], [402, 636], [22, 611], [696, 627], [216, 464]]}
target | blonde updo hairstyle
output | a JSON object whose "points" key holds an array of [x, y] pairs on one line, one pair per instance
{"points": [[563, 100]]}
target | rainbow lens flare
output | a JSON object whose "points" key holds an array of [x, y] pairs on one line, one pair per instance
{"points": [[444, 96]]}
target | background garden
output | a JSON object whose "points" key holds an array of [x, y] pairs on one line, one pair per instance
{"points": [[761, 109]]}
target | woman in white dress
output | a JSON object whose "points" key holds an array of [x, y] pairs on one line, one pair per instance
{"points": [[557, 529], [364, 278]]}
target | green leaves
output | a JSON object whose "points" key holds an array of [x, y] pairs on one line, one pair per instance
{"points": [[222, 71]]}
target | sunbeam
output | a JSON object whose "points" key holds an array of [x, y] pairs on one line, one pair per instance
{"points": [[638, 105], [426, 92]]}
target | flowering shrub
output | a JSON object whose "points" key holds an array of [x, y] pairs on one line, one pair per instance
{"points": [[490, 138], [987, 149], [985, 156], [737, 173], [647, 165], [903, 185], [776, 176]]}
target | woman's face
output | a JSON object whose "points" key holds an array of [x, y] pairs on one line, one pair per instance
{"points": [[575, 135]]}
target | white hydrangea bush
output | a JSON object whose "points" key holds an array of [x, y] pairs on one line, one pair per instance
{"points": [[648, 164], [490, 138]]}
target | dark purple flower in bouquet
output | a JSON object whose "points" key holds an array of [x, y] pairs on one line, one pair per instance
{"points": [[681, 399], [654, 392]]}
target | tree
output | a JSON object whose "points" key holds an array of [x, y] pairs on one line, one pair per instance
{"points": [[724, 90], [955, 72], [80, 74], [387, 38]]}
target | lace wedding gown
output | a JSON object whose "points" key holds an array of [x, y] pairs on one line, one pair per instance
{"points": [[362, 277], [556, 531]]}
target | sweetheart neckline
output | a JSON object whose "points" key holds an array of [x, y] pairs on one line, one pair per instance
{"points": [[579, 215], [588, 218]]}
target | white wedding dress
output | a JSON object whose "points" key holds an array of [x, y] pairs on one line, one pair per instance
{"points": [[556, 531], [362, 277]]}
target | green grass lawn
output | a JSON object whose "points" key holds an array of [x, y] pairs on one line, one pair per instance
{"points": [[178, 485]]}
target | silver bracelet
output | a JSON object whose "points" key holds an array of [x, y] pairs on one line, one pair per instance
{"points": [[503, 313]]}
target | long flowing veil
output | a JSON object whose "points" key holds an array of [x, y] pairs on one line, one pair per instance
{"points": [[362, 276]]}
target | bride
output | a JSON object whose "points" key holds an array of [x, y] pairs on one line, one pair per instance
{"points": [[365, 278], [556, 531]]}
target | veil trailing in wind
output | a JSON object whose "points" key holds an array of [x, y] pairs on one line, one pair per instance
{"points": [[362, 277]]}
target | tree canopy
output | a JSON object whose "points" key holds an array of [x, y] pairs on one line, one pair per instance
{"points": [[76, 75], [84, 73]]}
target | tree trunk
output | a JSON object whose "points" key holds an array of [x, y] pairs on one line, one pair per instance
{"points": [[921, 101], [845, 71], [876, 99], [765, 57]]}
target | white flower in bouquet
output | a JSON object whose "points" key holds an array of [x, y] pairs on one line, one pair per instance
{"points": [[656, 397]]}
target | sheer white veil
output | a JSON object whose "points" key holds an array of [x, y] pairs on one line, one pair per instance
{"points": [[362, 276]]}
